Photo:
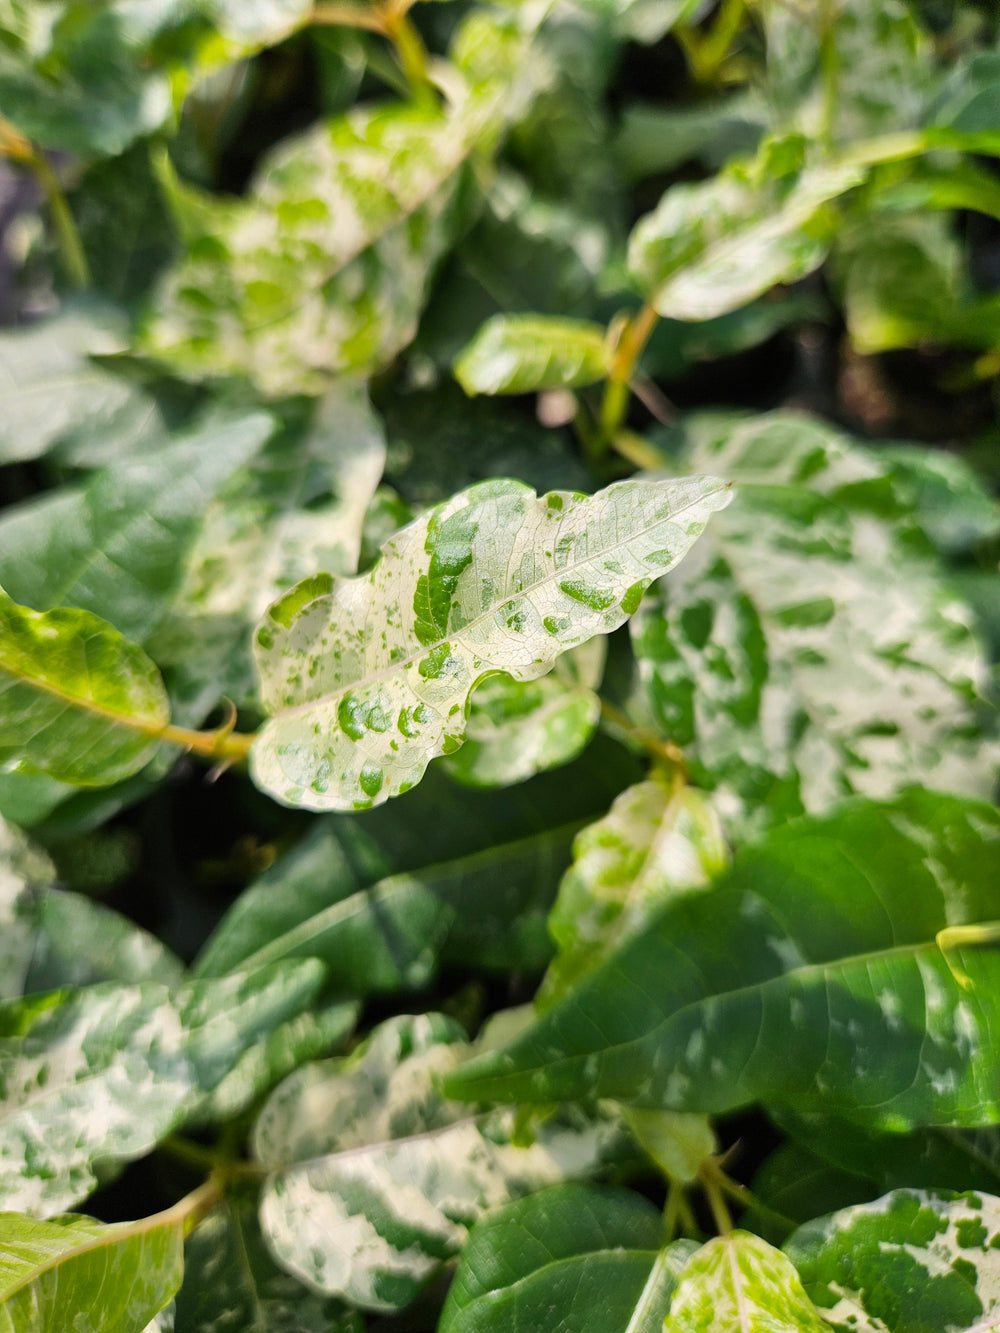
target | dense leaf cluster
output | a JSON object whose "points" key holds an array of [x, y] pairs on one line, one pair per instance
{"points": [[495, 769]]}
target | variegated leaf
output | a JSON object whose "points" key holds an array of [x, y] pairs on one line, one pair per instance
{"points": [[529, 353], [377, 1178], [740, 1284], [913, 1261], [368, 679]]}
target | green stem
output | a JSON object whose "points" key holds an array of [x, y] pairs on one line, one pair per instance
{"points": [[709, 55], [223, 745], [347, 16], [634, 337], [19, 148], [829, 59], [411, 52], [711, 1180], [664, 752]]}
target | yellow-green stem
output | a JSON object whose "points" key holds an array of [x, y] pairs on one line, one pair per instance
{"points": [[711, 1178], [411, 52], [709, 55], [634, 337], [223, 746], [348, 16], [17, 147], [663, 751]]}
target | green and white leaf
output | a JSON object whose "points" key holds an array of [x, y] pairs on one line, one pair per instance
{"points": [[518, 728], [529, 353], [298, 510], [739, 1284], [714, 246], [75, 1273], [94, 1077], [78, 701], [377, 1178], [912, 1262], [655, 842], [368, 679], [231, 1282], [325, 265], [812, 646], [51, 389], [573, 1256], [811, 975], [117, 546]]}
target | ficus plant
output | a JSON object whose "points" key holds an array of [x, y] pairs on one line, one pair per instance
{"points": [[482, 846]]}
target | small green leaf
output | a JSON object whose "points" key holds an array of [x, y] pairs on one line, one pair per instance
{"points": [[376, 1178], [654, 843], [368, 679], [54, 1274], [77, 700], [573, 1256], [811, 975], [528, 353], [911, 1262], [740, 1284], [518, 728]]}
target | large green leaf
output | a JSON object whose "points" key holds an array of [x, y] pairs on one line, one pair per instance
{"points": [[656, 841], [77, 700], [51, 386], [376, 1178], [75, 1273], [368, 679], [812, 974], [97, 1076], [231, 1281], [811, 646], [299, 509], [740, 1284], [528, 353], [518, 728], [462, 876], [117, 546], [325, 265], [911, 1262], [573, 1256]]}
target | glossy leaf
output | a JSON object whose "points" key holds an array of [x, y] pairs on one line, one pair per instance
{"points": [[786, 658], [740, 1284], [77, 700], [528, 353], [97, 1076], [377, 1178], [117, 546], [231, 1281], [51, 385], [923, 1262], [654, 843], [573, 1256], [324, 266], [811, 975], [518, 728], [73, 1272], [368, 679], [714, 246]]}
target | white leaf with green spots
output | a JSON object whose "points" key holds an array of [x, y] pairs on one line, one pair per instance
{"points": [[914, 1261], [75, 1273], [78, 700], [529, 353], [812, 645], [740, 1284], [23, 870], [368, 679], [518, 728], [324, 266], [377, 1177], [94, 1077], [656, 841]]}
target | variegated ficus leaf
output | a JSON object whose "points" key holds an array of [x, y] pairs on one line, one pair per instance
{"points": [[56, 1274], [812, 645], [737, 1283], [846, 964], [914, 1261], [377, 1178], [575, 1256], [529, 353], [369, 679], [94, 1077]]}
